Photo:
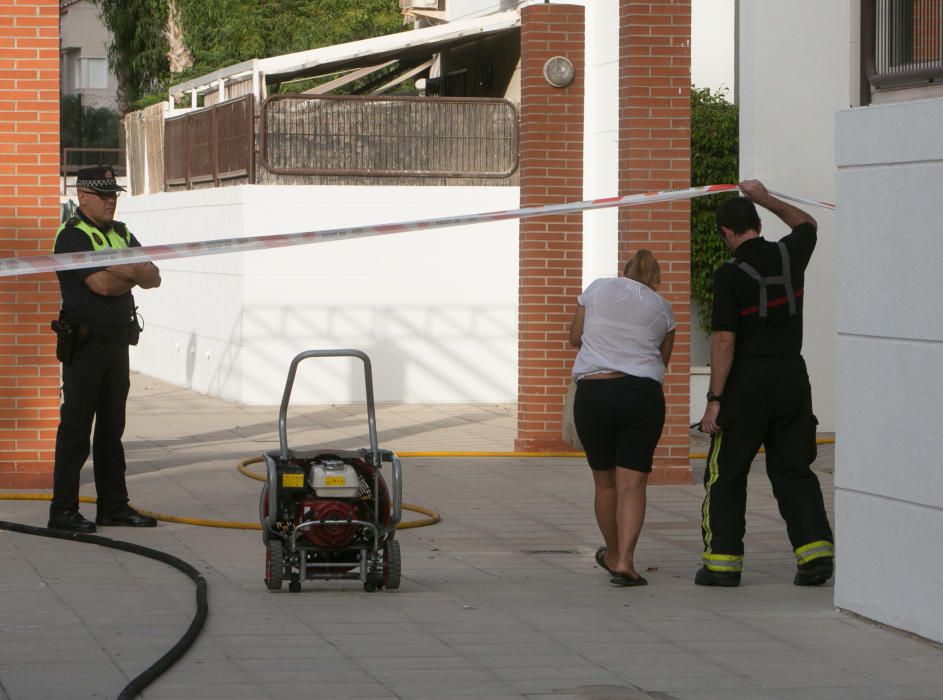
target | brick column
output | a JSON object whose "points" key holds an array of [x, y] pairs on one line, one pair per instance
{"points": [[29, 214], [655, 154], [551, 248]]}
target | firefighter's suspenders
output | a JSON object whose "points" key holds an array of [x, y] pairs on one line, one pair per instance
{"points": [[784, 279]]}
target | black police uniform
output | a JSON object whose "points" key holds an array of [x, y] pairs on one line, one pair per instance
{"points": [[95, 379], [767, 400]]}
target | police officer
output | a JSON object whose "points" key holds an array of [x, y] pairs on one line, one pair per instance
{"points": [[760, 392], [96, 324]]}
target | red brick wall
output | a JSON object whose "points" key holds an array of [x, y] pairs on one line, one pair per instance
{"points": [[655, 154], [29, 214], [551, 248]]}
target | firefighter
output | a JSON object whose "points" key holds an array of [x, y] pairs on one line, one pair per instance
{"points": [[760, 392], [96, 325]]}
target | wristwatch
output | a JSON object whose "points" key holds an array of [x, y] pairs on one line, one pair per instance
{"points": [[711, 396]]}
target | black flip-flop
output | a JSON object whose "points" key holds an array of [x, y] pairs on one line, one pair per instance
{"points": [[601, 559], [626, 581]]}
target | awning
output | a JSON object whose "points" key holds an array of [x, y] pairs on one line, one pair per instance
{"points": [[415, 45]]}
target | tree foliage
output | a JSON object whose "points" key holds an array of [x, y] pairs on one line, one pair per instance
{"points": [[219, 33], [138, 51], [714, 160], [222, 32]]}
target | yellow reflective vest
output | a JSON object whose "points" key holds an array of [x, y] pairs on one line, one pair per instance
{"points": [[115, 237]]}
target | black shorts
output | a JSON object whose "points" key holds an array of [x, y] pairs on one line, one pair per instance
{"points": [[619, 421]]}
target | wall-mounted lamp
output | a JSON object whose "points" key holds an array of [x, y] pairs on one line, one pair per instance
{"points": [[559, 71]]}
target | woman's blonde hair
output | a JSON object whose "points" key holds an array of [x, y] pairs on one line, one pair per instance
{"points": [[642, 267]]}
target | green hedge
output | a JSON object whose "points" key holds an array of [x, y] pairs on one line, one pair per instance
{"points": [[714, 160]]}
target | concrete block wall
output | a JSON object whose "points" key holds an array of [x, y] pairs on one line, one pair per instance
{"points": [[655, 154], [29, 215]]}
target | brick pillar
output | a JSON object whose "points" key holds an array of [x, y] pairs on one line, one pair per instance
{"points": [[655, 154], [29, 214], [551, 248]]}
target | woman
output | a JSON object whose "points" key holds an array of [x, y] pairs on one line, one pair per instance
{"points": [[625, 333]]}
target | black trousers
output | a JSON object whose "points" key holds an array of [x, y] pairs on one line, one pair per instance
{"points": [[94, 389], [766, 402]]}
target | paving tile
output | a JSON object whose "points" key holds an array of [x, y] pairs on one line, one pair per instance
{"points": [[500, 600]]}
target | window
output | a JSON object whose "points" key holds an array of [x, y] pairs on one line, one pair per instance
{"points": [[902, 42], [91, 73]]}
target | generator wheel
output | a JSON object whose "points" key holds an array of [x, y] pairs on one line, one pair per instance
{"points": [[274, 565], [392, 565], [263, 512], [369, 586]]}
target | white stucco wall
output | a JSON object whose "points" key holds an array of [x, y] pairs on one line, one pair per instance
{"points": [[713, 45], [435, 310], [888, 484], [601, 128], [795, 73]]}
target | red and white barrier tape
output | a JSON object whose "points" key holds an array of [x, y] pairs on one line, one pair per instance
{"points": [[102, 258], [801, 200]]}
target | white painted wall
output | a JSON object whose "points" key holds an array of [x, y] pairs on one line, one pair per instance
{"points": [[435, 310], [712, 45], [601, 146], [888, 484], [795, 74]]}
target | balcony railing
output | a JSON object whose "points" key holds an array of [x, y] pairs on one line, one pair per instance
{"points": [[326, 140], [210, 146], [902, 44], [388, 136]]}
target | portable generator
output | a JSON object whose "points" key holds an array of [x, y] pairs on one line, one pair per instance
{"points": [[326, 513]]}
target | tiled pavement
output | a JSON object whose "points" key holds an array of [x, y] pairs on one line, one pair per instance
{"points": [[500, 600]]}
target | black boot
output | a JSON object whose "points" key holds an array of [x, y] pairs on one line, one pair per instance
{"points": [[816, 572], [726, 579], [69, 521], [127, 516]]}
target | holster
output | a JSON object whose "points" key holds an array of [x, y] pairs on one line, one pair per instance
{"points": [[65, 339], [71, 335]]}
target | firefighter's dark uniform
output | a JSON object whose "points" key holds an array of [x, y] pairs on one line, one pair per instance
{"points": [[95, 379], [767, 400]]}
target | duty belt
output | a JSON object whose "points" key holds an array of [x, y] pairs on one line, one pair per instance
{"points": [[84, 330]]}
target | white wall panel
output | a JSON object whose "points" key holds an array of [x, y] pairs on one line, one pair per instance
{"points": [[436, 310], [889, 487], [889, 570]]}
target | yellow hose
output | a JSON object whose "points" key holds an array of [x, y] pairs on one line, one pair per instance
{"points": [[818, 441], [694, 455], [433, 516], [160, 516]]}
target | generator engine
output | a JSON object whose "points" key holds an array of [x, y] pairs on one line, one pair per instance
{"points": [[336, 486]]}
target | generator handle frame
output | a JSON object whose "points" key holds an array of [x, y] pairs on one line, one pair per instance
{"points": [[368, 385], [397, 496]]}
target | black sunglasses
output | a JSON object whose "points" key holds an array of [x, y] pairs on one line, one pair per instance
{"points": [[102, 195]]}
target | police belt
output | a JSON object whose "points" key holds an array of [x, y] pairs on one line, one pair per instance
{"points": [[85, 330], [110, 335]]}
